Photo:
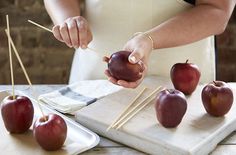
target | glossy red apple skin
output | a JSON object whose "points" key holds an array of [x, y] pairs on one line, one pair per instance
{"points": [[50, 133], [170, 106], [121, 69], [185, 77], [17, 114], [217, 98]]}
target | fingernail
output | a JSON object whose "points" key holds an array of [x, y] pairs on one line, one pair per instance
{"points": [[119, 83], [133, 59], [83, 46]]}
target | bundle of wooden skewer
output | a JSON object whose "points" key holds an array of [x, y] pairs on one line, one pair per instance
{"points": [[133, 108]]}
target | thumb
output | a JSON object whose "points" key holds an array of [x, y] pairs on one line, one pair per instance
{"points": [[135, 57]]}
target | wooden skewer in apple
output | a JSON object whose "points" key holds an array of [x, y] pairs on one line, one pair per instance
{"points": [[10, 58], [24, 70], [47, 29], [17, 111], [50, 131]]}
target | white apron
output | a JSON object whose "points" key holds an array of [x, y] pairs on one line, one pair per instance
{"points": [[113, 22]]}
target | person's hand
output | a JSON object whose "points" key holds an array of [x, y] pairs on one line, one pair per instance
{"points": [[74, 32], [141, 47]]}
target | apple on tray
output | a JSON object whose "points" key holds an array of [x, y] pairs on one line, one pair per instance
{"points": [[217, 98], [50, 132], [185, 77], [121, 69], [17, 113], [170, 106]]}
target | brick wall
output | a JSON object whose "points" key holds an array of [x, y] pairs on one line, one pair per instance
{"points": [[226, 43], [48, 61]]}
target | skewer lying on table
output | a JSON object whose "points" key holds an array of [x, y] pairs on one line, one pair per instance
{"points": [[127, 114], [47, 29]]}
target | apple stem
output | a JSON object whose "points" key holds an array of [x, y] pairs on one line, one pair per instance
{"points": [[186, 61], [10, 57], [214, 82], [45, 118], [171, 91]]}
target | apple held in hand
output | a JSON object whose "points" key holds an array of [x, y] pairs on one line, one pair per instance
{"points": [[121, 69], [17, 113], [185, 77], [50, 132], [170, 106], [217, 98]]}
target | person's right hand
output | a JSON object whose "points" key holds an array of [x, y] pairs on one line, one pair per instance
{"points": [[74, 31]]}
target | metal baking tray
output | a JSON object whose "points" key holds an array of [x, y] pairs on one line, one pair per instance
{"points": [[79, 138]]}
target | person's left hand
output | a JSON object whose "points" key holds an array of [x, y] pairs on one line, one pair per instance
{"points": [[141, 47]]}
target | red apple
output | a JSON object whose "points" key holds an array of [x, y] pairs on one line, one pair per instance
{"points": [[121, 69], [50, 132], [217, 98], [170, 106], [17, 114], [185, 77]]}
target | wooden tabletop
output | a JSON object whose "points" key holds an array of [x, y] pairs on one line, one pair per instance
{"points": [[108, 147]]}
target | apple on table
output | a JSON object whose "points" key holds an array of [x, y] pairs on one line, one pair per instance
{"points": [[170, 106], [185, 77], [217, 98]]}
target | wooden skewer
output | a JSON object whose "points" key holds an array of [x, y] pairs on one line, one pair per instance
{"points": [[133, 109], [47, 29], [24, 70], [133, 114], [10, 57], [127, 108]]}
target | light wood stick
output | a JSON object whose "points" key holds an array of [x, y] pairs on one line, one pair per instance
{"points": [[92, 49], [43, 27], [141, 102], [133, 114], [10, 58], [24, 70], [127, 108], [47, 29]]}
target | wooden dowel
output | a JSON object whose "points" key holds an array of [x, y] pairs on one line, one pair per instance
{"points": [[24, 70], [133, 114], [10, 59], [127, 108], [92, 49], [141, 102], [47, 29], [43, 27]]}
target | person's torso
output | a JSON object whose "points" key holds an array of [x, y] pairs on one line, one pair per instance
{"points": [[114, 22]]}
